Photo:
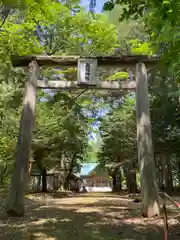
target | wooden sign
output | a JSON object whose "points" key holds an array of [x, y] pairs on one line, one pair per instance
{"points": [[87, 71]]}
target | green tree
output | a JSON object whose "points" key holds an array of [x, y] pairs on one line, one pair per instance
{"points": [[161, 24], [67, 135], [118, 132]]}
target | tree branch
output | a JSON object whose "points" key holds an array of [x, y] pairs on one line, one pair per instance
{"points": [[5, 14]]}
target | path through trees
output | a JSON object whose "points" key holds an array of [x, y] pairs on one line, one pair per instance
{"points": [[90, 216]]}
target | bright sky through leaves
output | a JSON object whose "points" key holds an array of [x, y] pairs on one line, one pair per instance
{"points": [[99, 4]]}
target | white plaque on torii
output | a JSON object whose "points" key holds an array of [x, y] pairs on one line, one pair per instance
{"points": [[86, 73]]}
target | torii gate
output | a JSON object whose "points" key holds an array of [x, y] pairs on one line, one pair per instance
{"points": [[144, 138]]}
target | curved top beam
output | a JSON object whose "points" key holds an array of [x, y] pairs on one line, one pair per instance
{"points": [[71, 61]]}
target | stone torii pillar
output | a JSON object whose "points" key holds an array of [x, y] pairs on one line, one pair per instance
{"points": [[149, 189], [15, 205]]}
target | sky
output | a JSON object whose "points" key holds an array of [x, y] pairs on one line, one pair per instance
{"points": [[99, 4]]}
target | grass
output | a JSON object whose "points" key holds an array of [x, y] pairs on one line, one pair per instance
{"points": [[98, 216]]}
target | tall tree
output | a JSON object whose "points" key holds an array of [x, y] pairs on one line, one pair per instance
{"points": [[74, 33]]}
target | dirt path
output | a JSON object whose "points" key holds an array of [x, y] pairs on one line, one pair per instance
{"points": [[84, 217]]}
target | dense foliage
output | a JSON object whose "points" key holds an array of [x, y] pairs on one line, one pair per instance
{"points": [[160, 37], [161, 19], [31, 27]]}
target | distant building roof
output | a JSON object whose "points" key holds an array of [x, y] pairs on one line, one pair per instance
{"points": [[87, 168]]}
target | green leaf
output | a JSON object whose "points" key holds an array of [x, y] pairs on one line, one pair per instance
{"points": [[119, 75]]}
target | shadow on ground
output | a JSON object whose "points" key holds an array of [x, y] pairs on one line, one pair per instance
{"points": [[81, 218]]}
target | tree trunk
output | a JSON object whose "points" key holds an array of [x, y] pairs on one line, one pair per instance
{"points": [[149, 191], [29, 174], [131, 183], [2, 174], [55, 187], [15, 204], [39, 183], [70, 171], [170, 180], [158, 170], [114, 189], [126, 178], [161, 177], [119, 181], [179, 174], [178, 167], [164, 170], [132, 180], [62, 174], [44, 180], [166, 173], [30, 168]]}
